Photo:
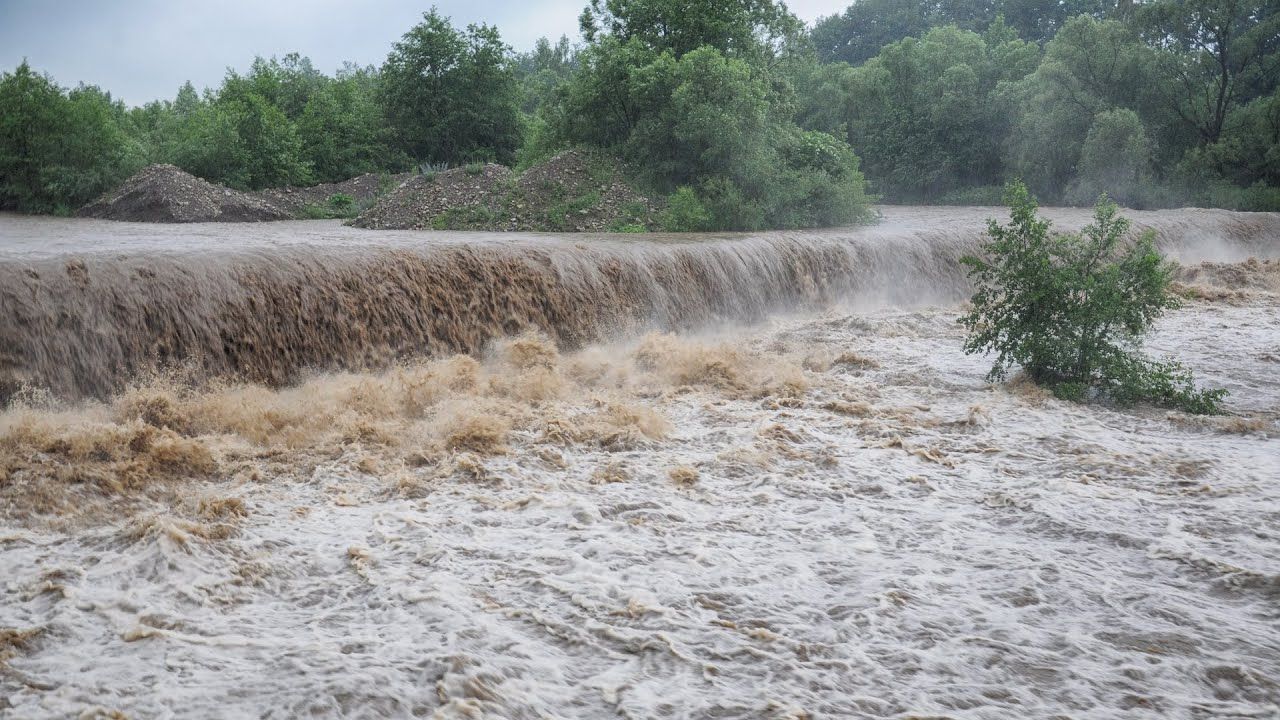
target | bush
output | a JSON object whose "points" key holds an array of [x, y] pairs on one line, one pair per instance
{"points": [[685, 212], [1072, 309], [342, 204]]}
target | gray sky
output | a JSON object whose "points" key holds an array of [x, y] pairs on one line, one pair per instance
{"points": [[143, 50]]}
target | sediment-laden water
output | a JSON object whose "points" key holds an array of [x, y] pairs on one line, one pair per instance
{"points": [[87, 306], [816, 512]]}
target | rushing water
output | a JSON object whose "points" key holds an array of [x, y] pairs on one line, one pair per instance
{"points": [[826, 513], [87, 306]]}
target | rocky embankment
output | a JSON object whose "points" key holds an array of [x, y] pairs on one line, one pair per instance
{"points": [[167, 194], [362, 189], [575, 191]]}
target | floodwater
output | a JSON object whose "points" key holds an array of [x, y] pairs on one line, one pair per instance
{"points": [[822, 512]]}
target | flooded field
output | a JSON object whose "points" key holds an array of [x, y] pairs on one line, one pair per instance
{"points": [[773, 487]]}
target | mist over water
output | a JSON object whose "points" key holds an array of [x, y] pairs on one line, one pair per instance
{"points": [[733, 476]]}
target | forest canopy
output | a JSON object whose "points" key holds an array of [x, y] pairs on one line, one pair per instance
{"points": [[736, 112]]}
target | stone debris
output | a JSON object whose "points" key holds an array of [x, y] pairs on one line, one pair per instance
{"points": [[168, 194]]}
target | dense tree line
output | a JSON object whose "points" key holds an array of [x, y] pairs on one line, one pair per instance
{"points": [[443, 96], [1158, 103], [734, 111]]}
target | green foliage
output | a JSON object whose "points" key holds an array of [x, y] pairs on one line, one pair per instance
{"points": [[1217, 53], [472, 217], [1117, 156], [560, 215], [744, 29], [342, 205], [339, 205], [1072, 310], [1158, 103], [452, 96], [685, 212], [342, 129], [633, 217], [542, 71], [859, 33], [1247, 151], [927, 114], [59, 149], [1091, 71], [977, 195], [701, 107]]}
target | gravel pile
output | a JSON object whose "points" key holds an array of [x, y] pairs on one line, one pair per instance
{"points": [[415, 203], [575, 191], [362, 188], [167, 194]]}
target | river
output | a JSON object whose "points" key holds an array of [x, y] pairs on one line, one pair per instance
{"points": [[738, 476]]}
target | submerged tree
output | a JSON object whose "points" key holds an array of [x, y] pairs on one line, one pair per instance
{"points": [[1072, 310]]}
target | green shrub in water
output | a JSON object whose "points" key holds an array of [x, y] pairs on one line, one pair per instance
{"points": [[1072, 310]]}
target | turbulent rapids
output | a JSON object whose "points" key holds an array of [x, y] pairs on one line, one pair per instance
{"points": [[86, 307], [327, 472]]}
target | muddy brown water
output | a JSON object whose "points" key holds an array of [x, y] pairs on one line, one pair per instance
{"points": [[85, 306], [828, 513]]}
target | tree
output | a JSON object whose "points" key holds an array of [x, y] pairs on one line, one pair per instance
{"points": [[30, 105], [342, 130], [544, 70], [1115, 160], [740, 28], [1090, 67], [58, 150], [1218, 52], [1072, 310], [926, 114], [866, 26], [711, 127], [858, 34], [451, 96]]}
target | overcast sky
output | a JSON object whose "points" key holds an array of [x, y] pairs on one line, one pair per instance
{"points": [[142, 50]]}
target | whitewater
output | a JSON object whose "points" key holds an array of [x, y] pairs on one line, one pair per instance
{"points": [[731, 476]]}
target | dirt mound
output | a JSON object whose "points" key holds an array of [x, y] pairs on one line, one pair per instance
{"points": [[363, 189], [417, 202], [165, 193], [575, 191]]}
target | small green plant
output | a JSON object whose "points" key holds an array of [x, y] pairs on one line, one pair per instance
{"points": [[314, 212], [339, 205], [342, 205], [474, 168], [563, 214], [472, 217], [1071, 310], [685, 212]]}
